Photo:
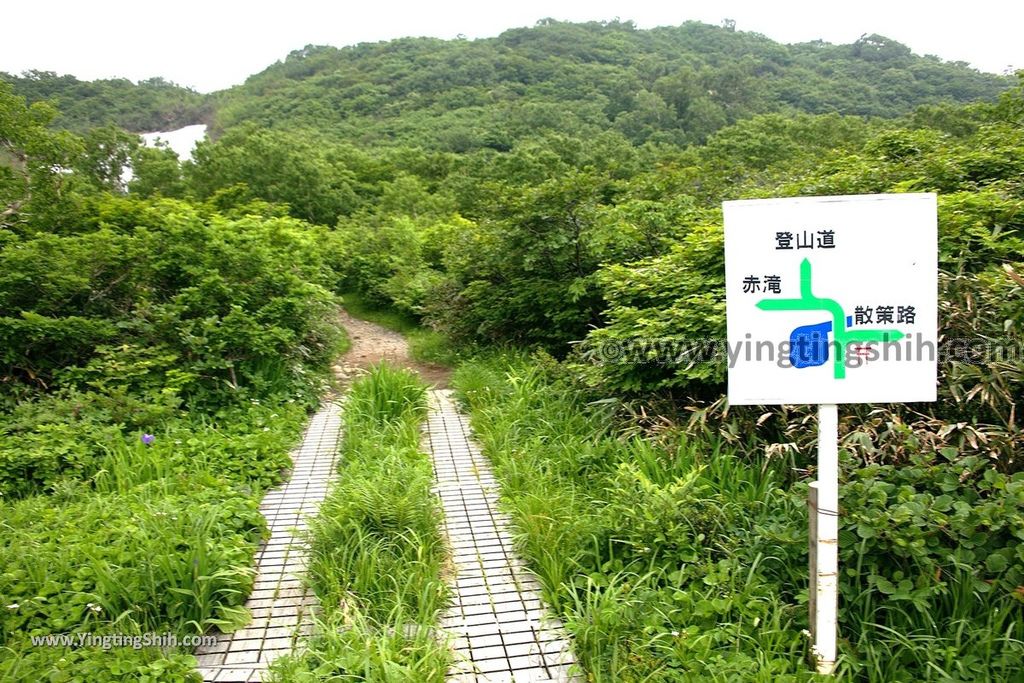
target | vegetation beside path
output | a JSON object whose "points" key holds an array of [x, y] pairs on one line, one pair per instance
{"points": [[377, 552], [678, 554], [162, 340], [157, 369]]}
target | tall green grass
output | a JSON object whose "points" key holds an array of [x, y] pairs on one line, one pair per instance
{"points": [[684, 559], [377, 552], [143, 539]]}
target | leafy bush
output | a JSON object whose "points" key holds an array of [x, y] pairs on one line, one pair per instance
{"points": [[207, 292], [198, 536], [657, 309], [293, 169], [184, 311], [123, 317]]}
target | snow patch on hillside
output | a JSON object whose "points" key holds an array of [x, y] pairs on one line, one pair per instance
{"points": [[182, 141]]}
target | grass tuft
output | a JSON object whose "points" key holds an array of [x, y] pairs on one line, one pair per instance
{"points": [[377, 552]]}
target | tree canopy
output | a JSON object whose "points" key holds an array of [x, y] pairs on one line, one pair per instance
{"points": [[671, 84]]}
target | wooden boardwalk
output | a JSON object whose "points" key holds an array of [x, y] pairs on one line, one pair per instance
{"points": [[501, 630], [281, 608]]}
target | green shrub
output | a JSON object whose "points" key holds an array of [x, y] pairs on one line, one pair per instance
{"points": [[201, 296], [81, 437], [123, 317]]}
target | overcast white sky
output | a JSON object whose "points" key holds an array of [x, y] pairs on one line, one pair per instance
{"points": [[214, 44]]}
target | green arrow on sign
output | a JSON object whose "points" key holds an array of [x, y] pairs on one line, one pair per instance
{"points": [[809, 302]]}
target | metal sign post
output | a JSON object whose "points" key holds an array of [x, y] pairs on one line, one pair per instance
{"points": [[831, 300], [824, 537]]}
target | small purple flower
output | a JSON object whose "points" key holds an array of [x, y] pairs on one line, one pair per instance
{"points": [[148, 439]]}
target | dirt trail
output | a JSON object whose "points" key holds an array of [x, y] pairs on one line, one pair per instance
{"points": [[372, 344]]}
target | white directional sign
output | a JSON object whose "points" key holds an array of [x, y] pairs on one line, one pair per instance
{"points": [[832, 299]]}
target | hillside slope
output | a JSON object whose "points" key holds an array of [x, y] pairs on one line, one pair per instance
{"points": [[150, 105], [668, 84], [673, 84]]}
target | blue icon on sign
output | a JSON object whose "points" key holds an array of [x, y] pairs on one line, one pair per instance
{"points": [[808, 345]]}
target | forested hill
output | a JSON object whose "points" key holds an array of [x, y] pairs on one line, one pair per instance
{"points": [[163, 337], [150, 105], [669, 84]]}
